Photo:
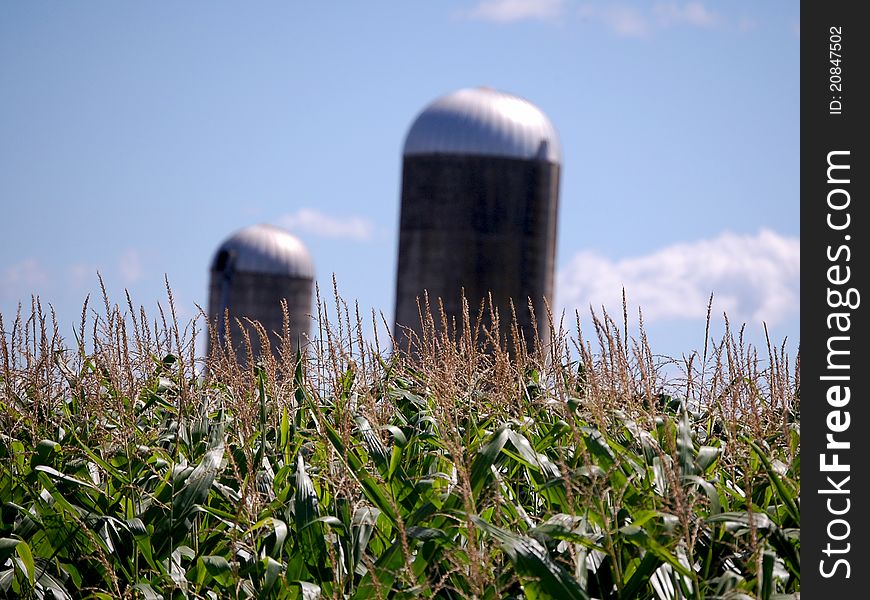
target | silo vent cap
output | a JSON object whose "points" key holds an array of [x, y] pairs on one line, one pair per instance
{"points": [[264, 248], [485, 122]]}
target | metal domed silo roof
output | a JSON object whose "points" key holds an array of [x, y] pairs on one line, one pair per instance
{"points": [[485, 122], [265, 248]]}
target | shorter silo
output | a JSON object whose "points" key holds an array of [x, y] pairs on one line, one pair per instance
{"points": [[252, 272]]}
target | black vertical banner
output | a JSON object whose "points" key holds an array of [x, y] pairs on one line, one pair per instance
{"points": [[835, 431]]}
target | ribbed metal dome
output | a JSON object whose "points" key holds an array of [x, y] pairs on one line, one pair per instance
{"points": [[264, 249], [485, 122]]}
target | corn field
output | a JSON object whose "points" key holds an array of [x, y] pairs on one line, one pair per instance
{"points": [[132, 466]]}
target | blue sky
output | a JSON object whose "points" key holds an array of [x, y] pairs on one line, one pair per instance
{"points": [[135, 136]]}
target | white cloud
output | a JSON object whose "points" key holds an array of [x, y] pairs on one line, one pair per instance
{"points": [[22, 278], [81, 275], [317, 223], [752, 277], [630, 21], [130, 266], [690, 13], [508, 11], [622, 20]]}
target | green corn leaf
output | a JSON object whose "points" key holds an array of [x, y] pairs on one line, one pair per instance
{"points": [[194, 492], [709, 491], [309, 530], [285, 435], [384, 570], [399, 437], [7, 548], [58, 476], [767, 584], [310, 591], [639, 537], [426, 534], [362, 526], [218, 568], [485, 458], [598, 447], [531, 458], [330, 520], [46, 451], [73, 573], [118, 474], [541, 576], [143, 545], [557, 430], [685, 448], [395, 461], [758, 520], [785, 495], [373, 490], [374, 446], [23, 552], [567, 528], [741, 524], [641, 576], [48, 582], [707, 457], [273, 571], [280, 529], [147, 591], [135, 526]]}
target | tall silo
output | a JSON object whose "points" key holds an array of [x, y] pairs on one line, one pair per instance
{"points": [[480, 193], [251, 273]]}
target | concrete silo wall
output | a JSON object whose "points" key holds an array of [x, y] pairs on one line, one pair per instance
{"points": [[258, 296], [484, 224]]}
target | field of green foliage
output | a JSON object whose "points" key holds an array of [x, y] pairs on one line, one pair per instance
{"points": [[130, 467]]}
